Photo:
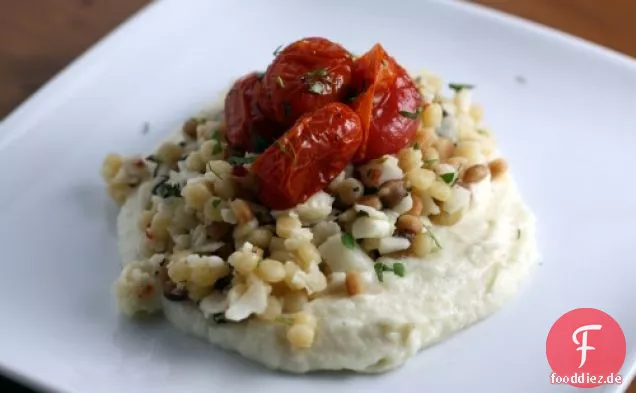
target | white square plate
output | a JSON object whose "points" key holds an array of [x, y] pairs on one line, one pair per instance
{"points": [[563, 110]]}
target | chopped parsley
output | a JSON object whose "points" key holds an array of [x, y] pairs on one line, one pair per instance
{"points": [[217, 148], [216, 203], [260, 75], [416, 146], [216, 135], [411, 115], [481, 131], [518, 233], [448, 178], [241, 160], [397, 268], [460, 86], [165, 189], [277, 50], [348, 240], [280, 82]]}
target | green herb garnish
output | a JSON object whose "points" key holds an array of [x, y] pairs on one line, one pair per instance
{"points": [[448, 178], [348, 240], [398, 269], [153, 158], [460, 86], [431, 161], [481, 131], [165, 189], [241, 160], [216, 203], [277, 50], [518, 233], [416, 146], [217, 148], [411, 115]]}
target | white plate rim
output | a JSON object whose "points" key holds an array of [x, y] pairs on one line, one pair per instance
{"points": [[18, 122]]}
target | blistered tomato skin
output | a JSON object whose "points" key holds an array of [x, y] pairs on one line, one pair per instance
{"points": [[306, 75], [246, 126], [308, 156], [387, 101]]}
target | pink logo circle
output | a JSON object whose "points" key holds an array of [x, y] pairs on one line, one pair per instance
{"points": [[585, 348]]}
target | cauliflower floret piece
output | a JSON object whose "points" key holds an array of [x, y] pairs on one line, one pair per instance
{"points": [[368, 227], [315, 209], [313, 280], [405, 205], [201, 271], [323, 230], [252, 301], [386, 167], [460, 198], [343, 259], [371, 212], [137, 289], [214, 303], [391, 244]]}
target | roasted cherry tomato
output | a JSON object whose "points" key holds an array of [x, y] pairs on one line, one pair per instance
{"points": [[311, 154], [246, 126], [305, 76], [388, 104]]}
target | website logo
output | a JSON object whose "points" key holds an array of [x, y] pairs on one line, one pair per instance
{"points": [[586, 348]]}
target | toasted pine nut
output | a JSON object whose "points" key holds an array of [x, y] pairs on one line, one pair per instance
{"points": [[497, 168], [190, 128], [371, 201], [353, 283], [392, 192], [475, 173], [409, 224]]}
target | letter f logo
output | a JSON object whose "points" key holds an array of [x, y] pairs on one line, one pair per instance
{"points": [[583, 344]]}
